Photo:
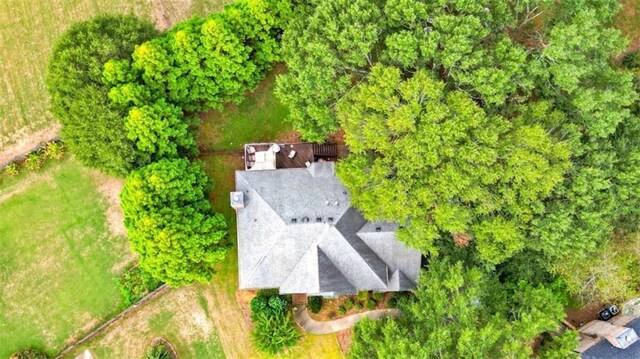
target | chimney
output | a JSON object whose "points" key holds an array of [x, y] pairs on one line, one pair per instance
{"points": [[237, 200]]}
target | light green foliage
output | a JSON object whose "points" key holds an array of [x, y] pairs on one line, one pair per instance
{"points": [[333, 44], [160, 130], [54, 150], [158, 352], [274, 333], [435, 160], [33, 161], [203, 62], [93, 128], [462, 313], [560, 346], [170, 223], [12, 169]]}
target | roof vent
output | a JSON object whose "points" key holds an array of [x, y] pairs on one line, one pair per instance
{"points": [[294, 220], [378, 229], [318, 219], [305, 219], [237, 200], [330, 219], [337, 203]]}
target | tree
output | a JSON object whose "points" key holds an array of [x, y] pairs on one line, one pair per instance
{"points": [[331, 45], [94, 128], [170, 223], [434, 160], [460, 312]]}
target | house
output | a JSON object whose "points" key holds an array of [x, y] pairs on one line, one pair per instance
{"points": [[615, 338], [298, 232]]}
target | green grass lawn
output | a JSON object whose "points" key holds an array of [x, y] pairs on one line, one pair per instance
{"points": [[58, 263], [29, 28], [260, 117]]}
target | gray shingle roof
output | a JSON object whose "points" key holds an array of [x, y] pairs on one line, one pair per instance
{"points": [[298, 232], [604, 349]]}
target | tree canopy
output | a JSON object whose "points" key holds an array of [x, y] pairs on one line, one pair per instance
{"points": [[433, 159], [93, 127], [461, 312], [170, 222]]}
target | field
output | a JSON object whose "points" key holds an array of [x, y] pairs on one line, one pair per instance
{"points": [[59, 260], [28, 30], [207, 318]]}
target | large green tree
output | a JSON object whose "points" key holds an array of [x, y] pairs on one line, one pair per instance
{"points": [[460, 312], [93, 127], [170, 223], [435, 161]]}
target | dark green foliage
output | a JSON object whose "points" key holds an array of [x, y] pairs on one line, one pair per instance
{"points": [[170, 221], [348, 304], [342, 310], [314, 303], [370, 304], [378, 296], [135, 283], [632, 60], [31, 353], [158, 352], [269, 303], [94, 128], [559, 346], [459, 312]]}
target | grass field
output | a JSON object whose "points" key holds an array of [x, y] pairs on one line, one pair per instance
{"points": [[28, 30], [58, 262]]}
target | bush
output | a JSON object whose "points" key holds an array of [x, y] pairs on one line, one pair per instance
{"points": [[314, 303], [371, 304], [54, 150], [392, 303], [33, 161], [348, 304], [378, 297], [12, 169], [273, 333], [632, 60], [135, 283], [159, 351], [30, 353], [342, 310], [269, 304], [363, 296]]}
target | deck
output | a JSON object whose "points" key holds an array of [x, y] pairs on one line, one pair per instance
{"points": [[305, 152]]}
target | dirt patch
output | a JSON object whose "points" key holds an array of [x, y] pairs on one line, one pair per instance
{"points": [[289, 137], [584, 315], [345, 339], [159, 15], [28, 142], [244, 297], [110, 188]]}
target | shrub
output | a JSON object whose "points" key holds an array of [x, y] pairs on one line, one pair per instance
{"points": [[348, 304], [54, 150], [135, 283], [270, 304], [273, 333], [362, 296], [314, 303], [632, 60], [392, 303], [33, 161], [342, 310], [12, 169], [378, 297], [159, 352], [371, 304], [30, 353]]}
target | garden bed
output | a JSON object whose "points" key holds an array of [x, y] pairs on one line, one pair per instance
{"points": [[346, 305]]}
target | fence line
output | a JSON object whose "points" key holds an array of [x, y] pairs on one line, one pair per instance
{"points": [[109, 322], [21, 157]]}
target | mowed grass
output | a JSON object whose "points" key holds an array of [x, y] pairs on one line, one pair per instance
{"points": [[58, 262], [259, 118], [28, 31]]}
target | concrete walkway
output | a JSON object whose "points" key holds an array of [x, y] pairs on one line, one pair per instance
{"points": [[314, 327]]}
